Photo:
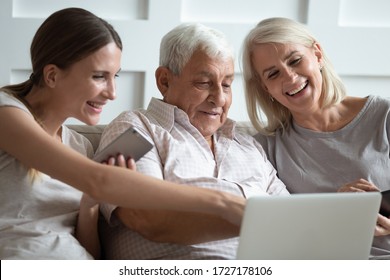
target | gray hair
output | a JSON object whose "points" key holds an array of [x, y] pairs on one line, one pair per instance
{"points": [[282, 31], [178, 45]]}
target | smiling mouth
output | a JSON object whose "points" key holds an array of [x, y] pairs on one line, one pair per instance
{"points": [[95, 105], [212, 113], [297, 90]]}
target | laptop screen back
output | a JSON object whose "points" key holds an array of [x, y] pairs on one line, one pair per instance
{"points": [[309, 226]]}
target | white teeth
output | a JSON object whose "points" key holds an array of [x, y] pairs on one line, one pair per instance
{"points": [[96, 105], [291, 93]]}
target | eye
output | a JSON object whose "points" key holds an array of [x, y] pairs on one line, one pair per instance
{"points": [[98, 77], [203, 84], [295, 61], [103, 76], [227, 85], [226, 88], [272, 74]]}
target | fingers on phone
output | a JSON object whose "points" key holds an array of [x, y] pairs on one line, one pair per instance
{"points": [[131, 164], [120, 161], [111, 161]]}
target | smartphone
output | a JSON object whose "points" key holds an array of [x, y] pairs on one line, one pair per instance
{"points": [[385, 204], [130, 143]]}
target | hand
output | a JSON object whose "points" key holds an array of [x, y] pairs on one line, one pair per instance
{"points": [[382, 226], [360, 185], [120, 161], [235, 209], [88, 202]]}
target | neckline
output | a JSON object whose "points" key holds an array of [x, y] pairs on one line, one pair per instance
{"points": [[301, 130]]}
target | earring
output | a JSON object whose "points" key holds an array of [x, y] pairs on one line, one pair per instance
{"points": [[271, 98], [321, 66]]}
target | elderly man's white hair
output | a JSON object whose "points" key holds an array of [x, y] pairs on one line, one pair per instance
{"points": [[179, 44]]}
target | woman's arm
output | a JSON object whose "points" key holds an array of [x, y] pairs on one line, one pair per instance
{"points": [[87, 223], [24, 139]]}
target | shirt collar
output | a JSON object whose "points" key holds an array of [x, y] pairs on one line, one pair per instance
{"points": [[166, 115]]}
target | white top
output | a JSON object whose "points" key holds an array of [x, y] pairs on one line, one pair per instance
{"points": [[308, 161], [37, 220], [182, 155]]}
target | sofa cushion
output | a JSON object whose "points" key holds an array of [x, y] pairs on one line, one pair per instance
{"points": [[92, 132]]}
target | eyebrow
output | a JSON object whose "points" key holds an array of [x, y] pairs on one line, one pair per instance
{"points": [[231, 76], [285, 58], [209, 74], [106, 72]]}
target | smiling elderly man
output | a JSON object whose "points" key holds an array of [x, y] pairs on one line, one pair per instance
{"points": [[195, 144]]}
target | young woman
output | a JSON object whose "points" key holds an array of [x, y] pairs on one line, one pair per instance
{"points": [[43, 165]]}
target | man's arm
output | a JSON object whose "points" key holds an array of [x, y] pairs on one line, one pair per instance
{"points": [[176, 227], [86, 229]]}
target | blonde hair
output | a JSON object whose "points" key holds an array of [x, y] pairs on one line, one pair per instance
{"points": [[281, 31]]}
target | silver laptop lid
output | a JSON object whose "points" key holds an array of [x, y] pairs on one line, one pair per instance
{"points": [[309, 226]]}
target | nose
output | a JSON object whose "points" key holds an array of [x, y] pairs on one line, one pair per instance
{"points": [[290, 73], [110, 91], [217, 96]]}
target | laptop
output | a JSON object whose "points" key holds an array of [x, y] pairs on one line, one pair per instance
{"points": [[321, 226]]}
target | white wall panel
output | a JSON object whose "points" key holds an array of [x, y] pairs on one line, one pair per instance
{"points": [[367, 85], [235, 11], [354, 33], [117, 9], [364, 13], [357, 48]]}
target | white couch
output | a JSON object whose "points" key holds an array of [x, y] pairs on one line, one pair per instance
{"points": [[92, 132]]}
